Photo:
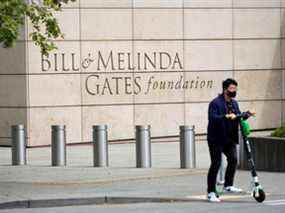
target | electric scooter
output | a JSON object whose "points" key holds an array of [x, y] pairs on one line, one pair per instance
{"points": [[257, 190]]}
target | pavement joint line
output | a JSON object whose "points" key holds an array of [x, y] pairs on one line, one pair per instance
{"points": [[225, 197], [104, 182], [275, 202]]}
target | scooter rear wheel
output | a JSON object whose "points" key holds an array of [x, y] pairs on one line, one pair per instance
{"points": [[261, 196]]}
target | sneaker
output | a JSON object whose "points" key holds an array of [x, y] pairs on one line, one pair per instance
{"points": [[212, 197], [220, 182], [232, 189]]}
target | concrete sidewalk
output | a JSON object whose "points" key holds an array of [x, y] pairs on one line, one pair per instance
{"points": [[51, 187], [121, 182], [24, 181]]}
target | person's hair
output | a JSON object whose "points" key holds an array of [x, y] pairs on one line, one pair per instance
{"points": [[228, 82]]}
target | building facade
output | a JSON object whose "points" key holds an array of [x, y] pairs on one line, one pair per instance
{"points": [[133, 62]]}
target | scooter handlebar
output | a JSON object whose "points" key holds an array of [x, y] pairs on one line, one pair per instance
{"points": [[245, 115]]}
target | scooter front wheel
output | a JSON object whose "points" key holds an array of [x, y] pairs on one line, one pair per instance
{"points": [[260, 196]]}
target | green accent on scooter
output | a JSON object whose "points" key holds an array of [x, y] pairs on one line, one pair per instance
{"points": [[245, 127]]}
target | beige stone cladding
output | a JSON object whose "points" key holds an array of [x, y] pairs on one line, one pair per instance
{"points": [[136, 62]]}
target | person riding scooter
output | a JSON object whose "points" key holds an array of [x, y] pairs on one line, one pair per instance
{"points": [[223, 137]]}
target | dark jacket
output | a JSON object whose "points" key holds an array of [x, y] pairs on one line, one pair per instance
{"points": [[218, 123]]}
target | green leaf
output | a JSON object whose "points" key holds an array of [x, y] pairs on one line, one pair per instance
{"points": [[44, 25]]}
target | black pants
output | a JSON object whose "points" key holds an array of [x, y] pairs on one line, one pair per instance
{"points": [[216, 156]]}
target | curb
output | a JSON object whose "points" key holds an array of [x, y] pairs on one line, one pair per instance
{"points": [[48, 203]]}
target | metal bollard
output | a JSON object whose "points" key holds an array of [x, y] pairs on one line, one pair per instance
{"points": [[58, 145], [18, 145], [143, 147], [100, 146], [187, 147]]}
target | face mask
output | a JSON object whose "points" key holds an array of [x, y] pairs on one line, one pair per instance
{"points": [[232, 94]]}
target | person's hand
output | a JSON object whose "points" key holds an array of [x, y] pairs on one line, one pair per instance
{"points": [[247, 114], [252, 112], [231, 116]]}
